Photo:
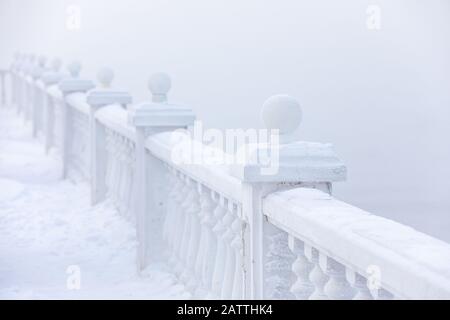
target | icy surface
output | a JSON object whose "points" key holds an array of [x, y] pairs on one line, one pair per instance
{"points": [[47, 225]]}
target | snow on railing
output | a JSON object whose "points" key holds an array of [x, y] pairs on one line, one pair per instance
{"points": [[227, 231], [336, 246]]}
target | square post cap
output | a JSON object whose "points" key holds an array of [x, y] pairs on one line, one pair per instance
{"points": [[159, 113]]}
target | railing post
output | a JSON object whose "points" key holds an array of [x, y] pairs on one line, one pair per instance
{"points": [[68, 86], [98, 98], [49, 78], [148, 118], [23, 91], [268, 166]]}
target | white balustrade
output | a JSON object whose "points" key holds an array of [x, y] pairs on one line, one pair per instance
{"points": [[227, 231]]}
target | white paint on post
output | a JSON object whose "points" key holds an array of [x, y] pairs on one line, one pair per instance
{"points": [[98, 98]]}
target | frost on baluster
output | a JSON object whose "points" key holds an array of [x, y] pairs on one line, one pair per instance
{"points": [[277, 267]]}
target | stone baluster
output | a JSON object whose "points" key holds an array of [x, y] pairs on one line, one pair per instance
{"points": [[24, 84], [276, 163], [36, 100], [116, 168], [317, 277], [170, 222], [189, 201], [67, 86], [180, 219], [337, 286], [277, 264], [189, 276], [19, 83], [302, 288], [13, 74]]}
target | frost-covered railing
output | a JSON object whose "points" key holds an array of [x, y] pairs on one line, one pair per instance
{"points": [[227, 231]]}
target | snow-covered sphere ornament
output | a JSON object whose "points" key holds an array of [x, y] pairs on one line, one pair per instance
{"points": [[159, 85], [105, 77], [282, 112]]}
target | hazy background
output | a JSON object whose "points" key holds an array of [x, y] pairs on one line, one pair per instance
{"points": [[382, 97]]}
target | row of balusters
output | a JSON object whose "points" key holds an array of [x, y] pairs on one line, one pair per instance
{"points": [[120, 163], [312, 275], [79, 156], [203, 232]]}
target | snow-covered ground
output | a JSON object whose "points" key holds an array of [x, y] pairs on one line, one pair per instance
{"points": [[49, 232]]}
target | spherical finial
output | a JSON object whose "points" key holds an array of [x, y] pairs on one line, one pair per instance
{"points": [[42, 61], [282, 112], [74, 69], [56, 64], [105, 76], [159, 85]]}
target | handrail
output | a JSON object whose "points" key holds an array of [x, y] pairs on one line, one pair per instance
{"points": [[412, 264], [78, 101], [215, 177]]}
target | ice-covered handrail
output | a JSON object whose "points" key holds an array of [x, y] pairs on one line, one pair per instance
{"points": [[411, 264], [115, 117]]}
